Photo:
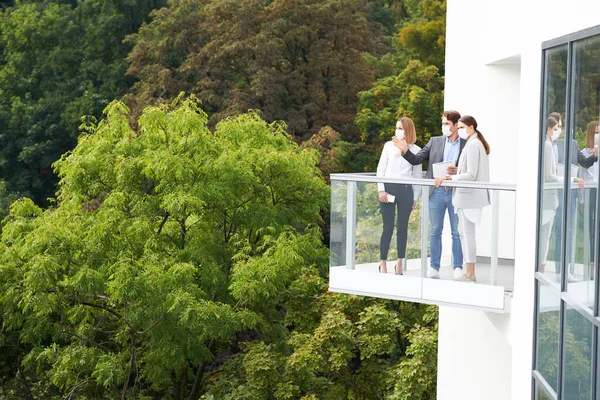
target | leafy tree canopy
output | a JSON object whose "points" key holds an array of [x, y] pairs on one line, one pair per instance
{"points": [[411, 79], [179, 262], [300, 61], [58, 61]]}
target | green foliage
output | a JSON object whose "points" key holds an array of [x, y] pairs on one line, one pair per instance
{"points": [[184, 263], [129, 284], [412, 85], [58, 61], [298, 61]]}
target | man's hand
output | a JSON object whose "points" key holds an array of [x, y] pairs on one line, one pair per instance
{"points": [[452, 170], [401, 144], [438, 181], [383, 197], [580, 181]]}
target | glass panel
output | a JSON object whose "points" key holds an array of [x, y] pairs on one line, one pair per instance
{"points": [[577, 369], [388, 231], [552, 157], [548, 334], [337, 224], [583, 157], [540, 393]]}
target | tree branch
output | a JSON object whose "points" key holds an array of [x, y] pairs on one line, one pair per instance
{"points": [[131, 360], [195, 392]]}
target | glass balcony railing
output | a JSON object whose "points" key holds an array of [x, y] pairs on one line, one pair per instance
{"points": [[355, 230]]}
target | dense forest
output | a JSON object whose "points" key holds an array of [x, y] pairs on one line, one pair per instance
{"points": [[163, 191]]}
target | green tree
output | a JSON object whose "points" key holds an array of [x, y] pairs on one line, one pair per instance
{"points": [[58, 61], [298, 61], [412, 83], [122, 288], [183, 263]]}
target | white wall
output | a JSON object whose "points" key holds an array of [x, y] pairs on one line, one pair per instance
{"points": [[493, 66], [477, 357]]}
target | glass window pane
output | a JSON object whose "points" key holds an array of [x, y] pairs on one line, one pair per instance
{"points": [[337, 224], [577, 368], [540, 393], [548, 334], [584, 126], [550, 248]]}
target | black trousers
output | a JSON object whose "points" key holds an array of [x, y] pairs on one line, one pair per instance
{"points": [[403, 203]]}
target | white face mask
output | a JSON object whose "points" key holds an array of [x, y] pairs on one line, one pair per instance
{"points": [[556, 134], [446, 130], [399, 133], [462, 133], [596, 138]]}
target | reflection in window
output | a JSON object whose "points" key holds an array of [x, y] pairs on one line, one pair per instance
{"points": [[548, 335], [577, 370]]}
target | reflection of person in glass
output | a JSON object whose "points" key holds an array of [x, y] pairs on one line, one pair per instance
{"points": [[439, 149], [395, 196], [473, 165], [560, 157], [590, 177], [549, 197]]}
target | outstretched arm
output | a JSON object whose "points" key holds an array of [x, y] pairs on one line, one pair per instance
{"points": [[420, 157]]}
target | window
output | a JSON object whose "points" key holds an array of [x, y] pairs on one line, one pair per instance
{"points": [[566, 337]]}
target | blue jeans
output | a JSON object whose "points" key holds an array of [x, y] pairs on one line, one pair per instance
{"points": [[440, 201]]}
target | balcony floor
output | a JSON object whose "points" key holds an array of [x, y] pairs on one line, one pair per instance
{"points": [[504, 273]]}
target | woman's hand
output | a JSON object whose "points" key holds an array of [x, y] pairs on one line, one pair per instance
{"points": [[383, 197], [438, 181], [580, 181]]}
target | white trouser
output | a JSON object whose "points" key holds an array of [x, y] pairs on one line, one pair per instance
{"points": [[545, 240], [466, 230]]}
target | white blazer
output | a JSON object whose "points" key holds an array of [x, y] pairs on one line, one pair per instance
{"points": [[473, 165]]}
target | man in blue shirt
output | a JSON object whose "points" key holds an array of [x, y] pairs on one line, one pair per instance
{"points": [[440, 148]]}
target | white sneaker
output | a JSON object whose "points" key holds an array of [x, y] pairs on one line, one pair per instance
{"points": [[433, 273], [458, 272]]}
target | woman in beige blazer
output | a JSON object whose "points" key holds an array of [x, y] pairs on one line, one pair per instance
{"points": [[473, 165]]}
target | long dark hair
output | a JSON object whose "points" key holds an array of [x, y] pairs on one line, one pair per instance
{"points": [[470, 121]]}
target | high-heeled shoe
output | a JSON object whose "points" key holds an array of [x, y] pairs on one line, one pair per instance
{"points": [[396, 270]]}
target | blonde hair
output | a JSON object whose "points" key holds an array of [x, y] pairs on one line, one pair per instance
{"points": [[590, 132], [410, 134]]}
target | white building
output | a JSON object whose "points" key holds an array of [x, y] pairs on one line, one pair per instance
{"points": [[520, 332]]}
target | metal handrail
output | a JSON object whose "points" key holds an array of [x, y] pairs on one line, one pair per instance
{"points": [[371, 178]]}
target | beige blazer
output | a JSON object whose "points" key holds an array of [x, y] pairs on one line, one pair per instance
{"points": [[550, 196], [473, 165]]}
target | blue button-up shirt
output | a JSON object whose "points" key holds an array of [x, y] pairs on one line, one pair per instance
{"points": [[451, 150]]}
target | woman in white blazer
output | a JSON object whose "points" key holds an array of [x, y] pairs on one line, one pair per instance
{"points": [[395, 198], [473, 165]]}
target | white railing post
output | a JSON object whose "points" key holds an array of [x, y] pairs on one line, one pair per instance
{"points": [[350, 224], [495, 220], [424, 228]]}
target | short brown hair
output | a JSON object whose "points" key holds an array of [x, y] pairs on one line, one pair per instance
{"points": [[410, 134], [452, 116], [556, 116]]}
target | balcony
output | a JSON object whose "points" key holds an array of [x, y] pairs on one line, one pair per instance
{"points": [[356, 225]]}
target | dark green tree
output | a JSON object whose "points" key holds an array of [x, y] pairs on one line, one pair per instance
{"points": [[298, 61], [58, 61]]}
